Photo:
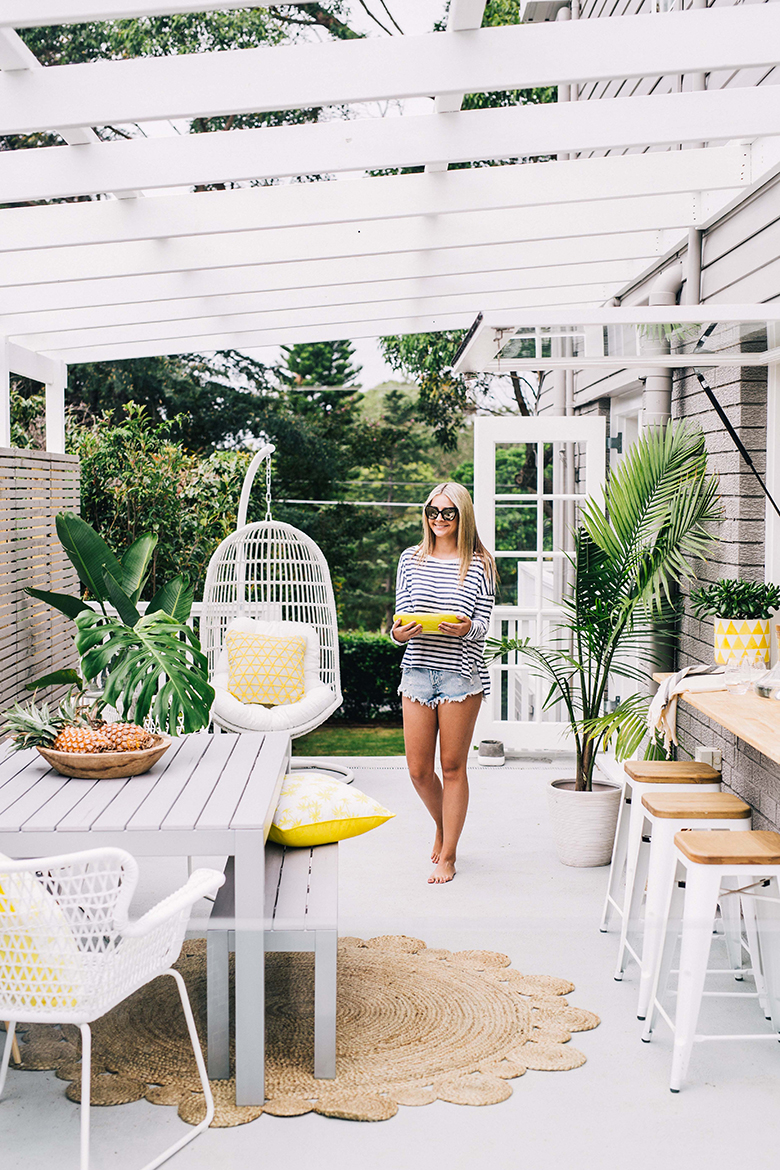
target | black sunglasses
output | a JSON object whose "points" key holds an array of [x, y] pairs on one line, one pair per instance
{"points": [[445, 513]]}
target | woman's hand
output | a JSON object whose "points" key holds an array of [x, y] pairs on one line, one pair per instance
{"points": [[402, 633], [457, 629]]}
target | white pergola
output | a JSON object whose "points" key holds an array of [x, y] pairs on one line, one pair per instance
{"points": [[153, 269]]}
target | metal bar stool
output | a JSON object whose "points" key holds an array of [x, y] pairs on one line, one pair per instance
{"points": [[703, 860], [642, 777], [664, 814]]}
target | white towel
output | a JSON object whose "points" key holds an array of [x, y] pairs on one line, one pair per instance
{"points": [[662, 713]]}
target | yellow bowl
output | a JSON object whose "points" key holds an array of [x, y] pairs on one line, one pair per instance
{"points": [[428, 621]]}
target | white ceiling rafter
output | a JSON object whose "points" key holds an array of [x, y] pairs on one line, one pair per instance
{"points": [[36, 13], [397, 197], [476, 285], [376, 143], [378, 68], [277, 334], [311, 316], [131, 292], [15, 57], [463, 15], [416, 234]]}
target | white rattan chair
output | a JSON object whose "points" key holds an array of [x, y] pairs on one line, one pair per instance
{"points": [[68, 952], [272, 572]]}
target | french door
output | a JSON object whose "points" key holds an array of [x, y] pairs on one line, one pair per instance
{"points": [[531, 476]]}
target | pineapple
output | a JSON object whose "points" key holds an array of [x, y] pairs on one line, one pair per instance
{"points": [[82, 738], [69, 730], [126, 737]]}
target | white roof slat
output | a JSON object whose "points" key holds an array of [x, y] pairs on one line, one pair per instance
{"points": [[378, 68], [376, 143], [412, 235], [302, 274]]}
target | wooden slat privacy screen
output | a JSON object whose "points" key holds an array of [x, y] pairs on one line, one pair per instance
{"points": [[34, 638]]}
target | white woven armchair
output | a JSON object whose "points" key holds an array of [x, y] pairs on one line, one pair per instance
{"points": [[68, 952]]}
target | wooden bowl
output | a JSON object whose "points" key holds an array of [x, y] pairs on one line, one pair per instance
{"points": [[106, 765]]}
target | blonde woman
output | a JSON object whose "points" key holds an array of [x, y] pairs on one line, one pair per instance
{"points": [[444, 675]]}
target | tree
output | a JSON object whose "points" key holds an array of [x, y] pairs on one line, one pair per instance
{"points": [[311, 368], [209, 402]]}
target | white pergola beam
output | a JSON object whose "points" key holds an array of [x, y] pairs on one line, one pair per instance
{"points": [[395, 197], [22, 360], [15, 55], [282, 332], [375, 143], [377, 68], [414, 234], [462, 15], [382, 293], [129, 292], [37, 13]]}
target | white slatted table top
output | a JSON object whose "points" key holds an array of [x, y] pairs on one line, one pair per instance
{"points": [[204, 784]]}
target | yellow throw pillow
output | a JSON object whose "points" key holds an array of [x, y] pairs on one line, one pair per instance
{"points": [[265, 669], [40, 964], [315, 810]]}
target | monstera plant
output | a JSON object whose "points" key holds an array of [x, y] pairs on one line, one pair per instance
{"points": [[148, 664]]}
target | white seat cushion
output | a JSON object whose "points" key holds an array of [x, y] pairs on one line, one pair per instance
{"points": [[285, 716]]}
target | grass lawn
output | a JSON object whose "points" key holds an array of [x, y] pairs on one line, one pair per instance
{"points": [[351, 739]]}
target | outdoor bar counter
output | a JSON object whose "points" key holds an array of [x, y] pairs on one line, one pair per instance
{"points": [[750, 717]]}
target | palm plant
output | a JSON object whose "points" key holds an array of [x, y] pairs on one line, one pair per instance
{"points": [[627, 561], [150, 663]]}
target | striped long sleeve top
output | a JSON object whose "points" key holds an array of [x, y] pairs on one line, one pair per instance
{"points": [[432, 585]]}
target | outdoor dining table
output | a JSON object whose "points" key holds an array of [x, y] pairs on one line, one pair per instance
{"points": [[209, 795]]}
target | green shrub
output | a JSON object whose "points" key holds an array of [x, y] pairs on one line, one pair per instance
{"points": [[370, 674]]}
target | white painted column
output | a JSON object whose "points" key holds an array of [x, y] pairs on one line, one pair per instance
{"points": [[55, 411], [5, 395]]}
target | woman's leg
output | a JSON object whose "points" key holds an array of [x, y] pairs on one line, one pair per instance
{"points": [[421, 726], [456, 726]]}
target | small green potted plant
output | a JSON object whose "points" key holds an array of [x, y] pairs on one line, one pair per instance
{"points": [[741, 610]]}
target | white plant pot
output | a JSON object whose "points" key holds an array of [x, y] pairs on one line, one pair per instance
{"points": [[583, 823]]}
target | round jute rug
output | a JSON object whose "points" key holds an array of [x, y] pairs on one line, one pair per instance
{"points": [[414, 1025]]}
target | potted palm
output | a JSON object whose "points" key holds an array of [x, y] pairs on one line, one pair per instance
{"points": [[741, 610], [148, 667], [629, 555]]}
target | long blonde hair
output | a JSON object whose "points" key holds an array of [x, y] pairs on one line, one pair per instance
{"points": [[469, 544]]}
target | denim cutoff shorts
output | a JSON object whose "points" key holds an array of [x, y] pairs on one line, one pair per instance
{"points": [[431, 687]]}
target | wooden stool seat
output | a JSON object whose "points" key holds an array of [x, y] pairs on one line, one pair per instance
{"points": [[670, 772], [721, 847], [707, 806]]}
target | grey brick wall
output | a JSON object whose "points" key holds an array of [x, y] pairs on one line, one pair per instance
{"points": [[740, 553]]}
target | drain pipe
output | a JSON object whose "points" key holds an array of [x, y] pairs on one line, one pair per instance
{"points": [[657, 397]]}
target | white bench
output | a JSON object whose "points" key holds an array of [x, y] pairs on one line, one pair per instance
{"points": [[301, 914]]}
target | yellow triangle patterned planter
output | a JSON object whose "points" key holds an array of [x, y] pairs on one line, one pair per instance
{"points": [[742, 638]]}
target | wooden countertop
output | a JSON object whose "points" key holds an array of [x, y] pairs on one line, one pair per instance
{"points": [[748, 716]]}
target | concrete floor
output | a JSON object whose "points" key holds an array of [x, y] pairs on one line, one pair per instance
{"points": [[512, 895]]}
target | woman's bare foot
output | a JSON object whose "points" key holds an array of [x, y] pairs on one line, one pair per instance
{"points": [[444, 871], [438, 841]]}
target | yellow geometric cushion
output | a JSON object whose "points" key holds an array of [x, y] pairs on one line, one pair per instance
{"points": [[315, 810], [40, 963], [265, 669]]}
